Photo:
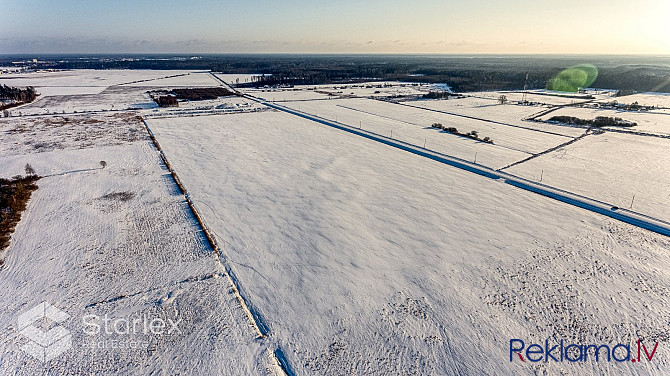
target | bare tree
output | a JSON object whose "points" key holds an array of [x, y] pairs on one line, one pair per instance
{"points": [[103, 164], [502, 99], [30, 171]]}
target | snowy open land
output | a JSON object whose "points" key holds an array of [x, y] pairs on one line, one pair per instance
{"points": [[330, 251]]}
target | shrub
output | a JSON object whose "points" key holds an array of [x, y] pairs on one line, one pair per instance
{"points": [[436, 95], [167, 101]]}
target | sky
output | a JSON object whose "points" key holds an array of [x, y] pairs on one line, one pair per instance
{"points": [[335, 26]]}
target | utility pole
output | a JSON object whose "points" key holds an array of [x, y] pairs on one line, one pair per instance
{"points": [[525, 92]]}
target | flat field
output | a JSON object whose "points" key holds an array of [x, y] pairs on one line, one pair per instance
{"points": [[328, 253]]}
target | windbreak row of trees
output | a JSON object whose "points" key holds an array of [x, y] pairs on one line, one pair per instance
{"points": [[599, 121]]}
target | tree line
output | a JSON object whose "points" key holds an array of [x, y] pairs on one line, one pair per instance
{"points": [[17, 94]]}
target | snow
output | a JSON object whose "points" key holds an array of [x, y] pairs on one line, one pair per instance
{"points": [[645, 99], [611, 167], [390, 115], [111, 99], [492, 110], [354, 256], [366, 259], [278, 95], [182, 79], [87, 252], [655, 121], [375, 89], [82, 81], [542, 96]]}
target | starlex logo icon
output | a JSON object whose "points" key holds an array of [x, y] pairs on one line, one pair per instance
{"points": [[518, 351], [44, 345]]}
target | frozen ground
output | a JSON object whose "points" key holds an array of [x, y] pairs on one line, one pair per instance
{"points": [[117, 241], [111, 99], [353, 256], [611, 167], [385, 116], [492, 110], [656, 121], [83, 81], [646, 99], [182, 79], [87, 249], [365, 259]]}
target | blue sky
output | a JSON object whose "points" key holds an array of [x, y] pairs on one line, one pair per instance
{"points": [[343, 26]]}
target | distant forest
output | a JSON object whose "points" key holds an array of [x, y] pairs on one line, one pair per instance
{"points": [[461, 73]]}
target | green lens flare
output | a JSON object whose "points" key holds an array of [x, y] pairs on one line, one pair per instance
{"points": [[574, 78]]}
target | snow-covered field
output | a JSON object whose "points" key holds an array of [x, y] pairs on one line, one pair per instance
{"points": [[83, 81], [110, 99], [611, 167], [646, 99], [384, 116], [656, 121], [349, 256], [117, 241], [365, 259], [542, 96], [185, 79], [382, 89]]}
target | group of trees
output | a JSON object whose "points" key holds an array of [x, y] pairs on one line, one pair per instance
{"points": [[16, 96], [472, 134], [192, 94], [599, 121], [437, 95], [201, 93], [14, 196]]}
